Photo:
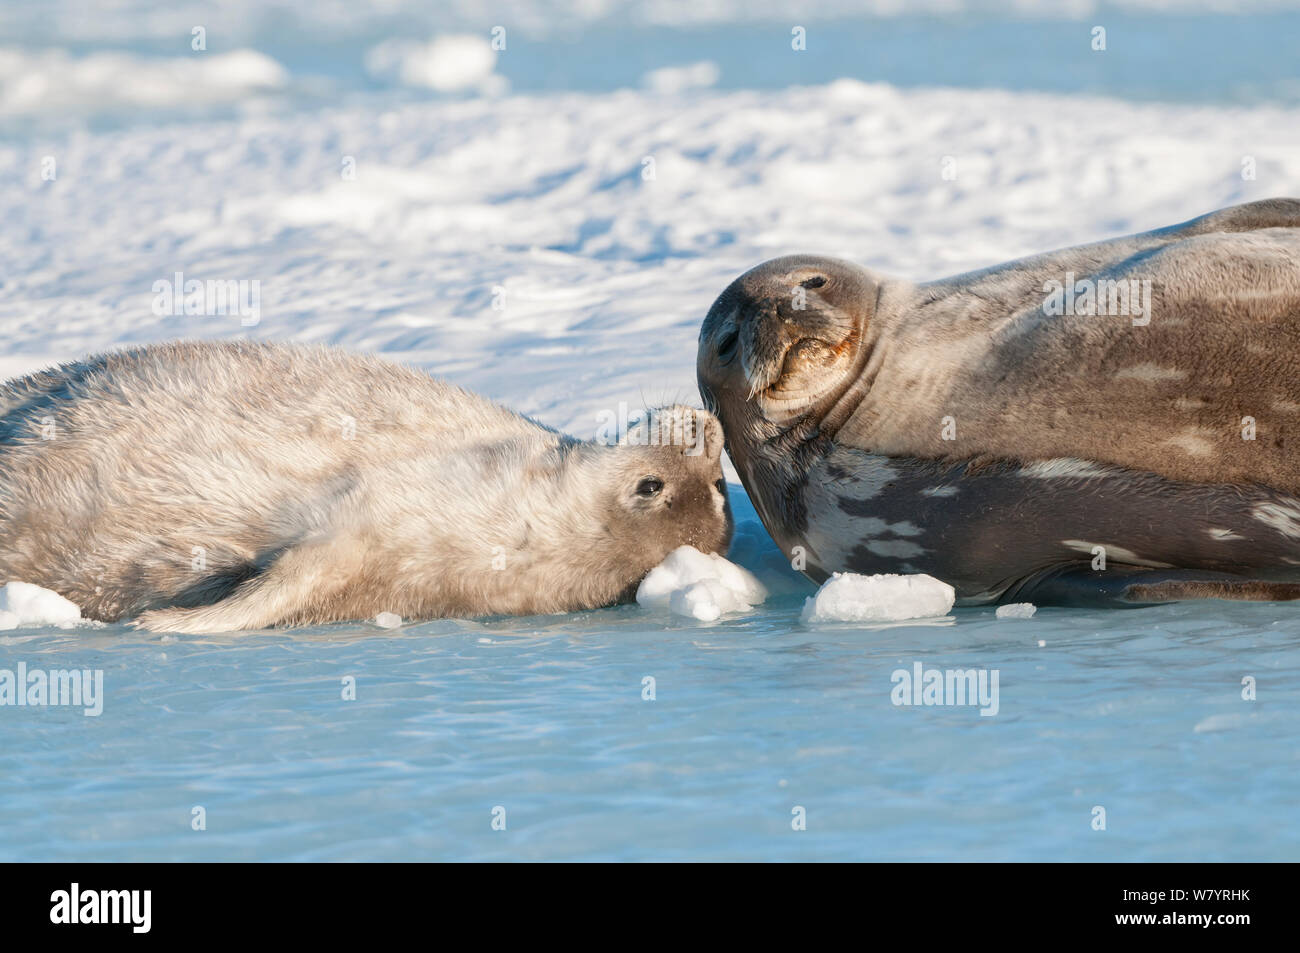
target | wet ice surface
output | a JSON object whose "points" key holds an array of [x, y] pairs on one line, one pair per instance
{"points": [[1139, 712]]}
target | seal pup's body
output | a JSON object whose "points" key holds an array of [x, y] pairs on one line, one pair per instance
{"points": [[966, 429], [221, 486]]}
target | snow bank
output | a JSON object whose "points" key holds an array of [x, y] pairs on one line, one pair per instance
{"points": [[22, 604], [850, 597], [699, 586]]}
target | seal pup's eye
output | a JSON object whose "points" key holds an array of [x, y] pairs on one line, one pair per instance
{"points": [[727, 346], [649, 487], [721, 487], [816, 281]]}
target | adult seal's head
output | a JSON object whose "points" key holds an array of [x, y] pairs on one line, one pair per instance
{"points": [[784, 344]]}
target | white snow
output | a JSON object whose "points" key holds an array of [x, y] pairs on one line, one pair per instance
{"points": [[671, 80], [851, 597], [1016, 610], [22, 604], [388, 620], [700, 586], [447, 63], [516, 247], [53, 80]]}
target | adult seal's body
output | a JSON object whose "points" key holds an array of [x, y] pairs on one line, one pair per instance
{"points": [[1111, 424], [215, 487]]}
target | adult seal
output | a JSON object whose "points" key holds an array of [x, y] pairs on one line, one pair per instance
{"points": [[206, 487], [1113, 424]]}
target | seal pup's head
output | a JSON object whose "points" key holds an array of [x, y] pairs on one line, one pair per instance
{"points": [[783, 343], [666, 489]]}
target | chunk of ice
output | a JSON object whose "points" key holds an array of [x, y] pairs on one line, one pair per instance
{"points": [[699, 586], [23, 604], [851, 597]]}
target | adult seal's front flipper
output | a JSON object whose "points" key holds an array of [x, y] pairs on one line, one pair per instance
{"points": [[1124, 587]]}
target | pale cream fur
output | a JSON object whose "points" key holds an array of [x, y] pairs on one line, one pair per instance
{"points": [[223, 486]]}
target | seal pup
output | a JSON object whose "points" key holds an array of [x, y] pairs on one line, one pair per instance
{"points": [[207, 487], [1136, 445]]}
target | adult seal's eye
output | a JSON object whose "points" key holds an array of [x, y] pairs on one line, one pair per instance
{"points": [[814, 282], [649, 487], [727, 346]]}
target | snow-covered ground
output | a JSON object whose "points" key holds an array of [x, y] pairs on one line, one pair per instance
{"points": [[558, 253]]}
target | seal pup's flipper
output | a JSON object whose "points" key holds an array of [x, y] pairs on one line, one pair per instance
{"points": [[300, 577], [1132, 588]]}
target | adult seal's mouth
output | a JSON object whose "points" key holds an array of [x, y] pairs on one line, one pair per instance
{"points": [[789, 400], [786, 341]]}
